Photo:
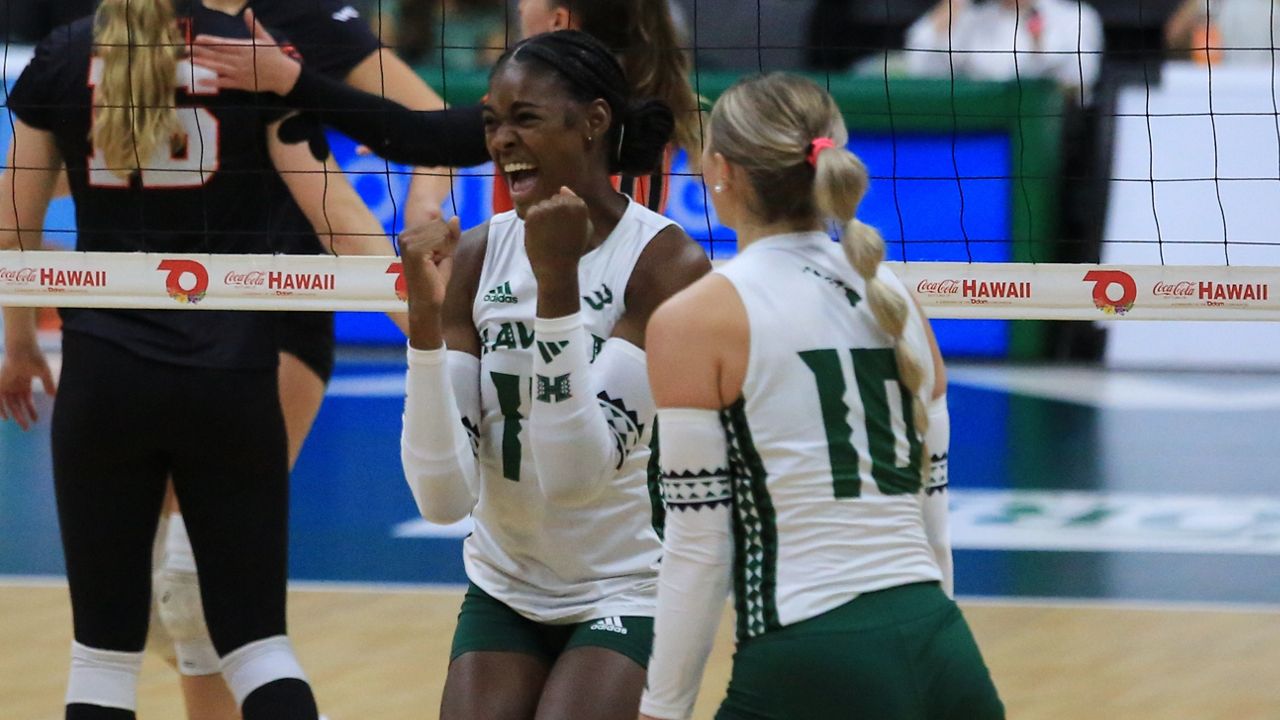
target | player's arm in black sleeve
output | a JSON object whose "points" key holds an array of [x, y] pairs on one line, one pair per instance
{"points": [[453, 137]]}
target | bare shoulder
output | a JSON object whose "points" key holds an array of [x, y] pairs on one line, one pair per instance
{"points": [[699, 342], [472, 244], [469, 258], [708, 311], [671, 262]]}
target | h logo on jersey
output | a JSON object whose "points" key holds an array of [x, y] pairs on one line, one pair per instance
{"points": [[501, 294], [195, 275], [611, 624], [553, 390]]}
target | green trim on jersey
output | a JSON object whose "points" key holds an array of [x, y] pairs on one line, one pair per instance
{"points": [[755, 530], [654, 481]]}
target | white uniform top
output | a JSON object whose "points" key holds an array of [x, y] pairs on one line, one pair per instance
{"points": [[824, 460], [551, 563]]}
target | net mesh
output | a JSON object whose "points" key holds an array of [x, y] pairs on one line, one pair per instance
{"points": [[1054, 159]]}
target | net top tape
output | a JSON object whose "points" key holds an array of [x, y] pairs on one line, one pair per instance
{"points": [[1013, 291]]}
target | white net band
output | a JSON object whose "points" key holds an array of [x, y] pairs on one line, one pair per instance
{"points": [[1012, 291]]}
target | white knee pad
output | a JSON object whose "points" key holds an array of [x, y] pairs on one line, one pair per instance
{"points": [[251, 666], [176, 592], [105, 678]]}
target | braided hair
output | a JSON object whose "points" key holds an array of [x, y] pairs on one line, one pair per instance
{"points": [[588, 71]]}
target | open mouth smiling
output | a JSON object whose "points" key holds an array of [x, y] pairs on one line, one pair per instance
{"points": [[522, 177]]}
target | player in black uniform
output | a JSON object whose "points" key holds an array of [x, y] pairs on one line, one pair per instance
{"points": [[151, 394], [332, 39]]}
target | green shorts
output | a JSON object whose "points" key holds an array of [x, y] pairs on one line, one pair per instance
{"points": [[905, 653], [486, 624]]}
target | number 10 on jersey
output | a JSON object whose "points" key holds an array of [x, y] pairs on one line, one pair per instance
{"points": [[894, 446]]}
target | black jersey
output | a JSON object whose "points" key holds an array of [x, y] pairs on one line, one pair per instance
{"points": [[45, 15], [332, 39], [330, 36], [200, 194]]}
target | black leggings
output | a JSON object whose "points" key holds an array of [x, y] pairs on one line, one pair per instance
{"points": [[122, 425]]}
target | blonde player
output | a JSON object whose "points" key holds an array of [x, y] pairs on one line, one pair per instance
{"points": [[792, 388], [113, 98]]}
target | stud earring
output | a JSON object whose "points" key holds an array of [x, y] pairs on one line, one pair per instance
{"points": [[718, 187]]}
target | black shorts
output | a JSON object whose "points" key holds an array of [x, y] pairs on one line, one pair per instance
{"points": [[308, 336]]}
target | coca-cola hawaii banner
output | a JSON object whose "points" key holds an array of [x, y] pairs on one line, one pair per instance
{"points": [[961, 290], [204, 282], [1093, 292]]}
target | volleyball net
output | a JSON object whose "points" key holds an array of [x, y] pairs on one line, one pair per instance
{"points": [[1106, 178]]}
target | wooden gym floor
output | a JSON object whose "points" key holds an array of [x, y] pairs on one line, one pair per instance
{"points": [[1117, 552]]}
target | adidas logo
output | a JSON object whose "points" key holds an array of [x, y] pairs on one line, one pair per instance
{"points": [[346, 13], [551, 350], [501, 294], [609, 624]]}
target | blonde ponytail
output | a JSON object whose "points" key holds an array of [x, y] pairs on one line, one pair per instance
{"points": [[840, 182], [135, 112]]}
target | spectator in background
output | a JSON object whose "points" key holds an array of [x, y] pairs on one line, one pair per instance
{"points": [[463, 35], [1009, 39], [1232, 31]]}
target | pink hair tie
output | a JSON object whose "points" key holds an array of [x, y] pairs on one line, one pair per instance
{"points": [[817, 146]]}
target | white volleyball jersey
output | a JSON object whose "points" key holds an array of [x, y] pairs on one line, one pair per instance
{"points": [[824, 459], [548, 562]]}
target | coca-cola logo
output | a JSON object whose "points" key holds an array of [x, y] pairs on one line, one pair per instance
{"points": [[938, 287], [397, 269], [1184, 288], [187, 280], [252, 278], [23, 275], [1107, 284]]}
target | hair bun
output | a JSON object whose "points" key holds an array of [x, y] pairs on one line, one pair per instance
{"points": [[644, 132]]}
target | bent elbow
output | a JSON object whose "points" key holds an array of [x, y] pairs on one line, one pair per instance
{"points": [[442, 497], [441, 513]]}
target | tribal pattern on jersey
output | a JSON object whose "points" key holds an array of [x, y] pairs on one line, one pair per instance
{"points": [[938, 474], [624, 424], [690, 490], [755, 530]]}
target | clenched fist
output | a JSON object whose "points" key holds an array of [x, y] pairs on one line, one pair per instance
{"points": [[427, 251], [557, 232]]}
